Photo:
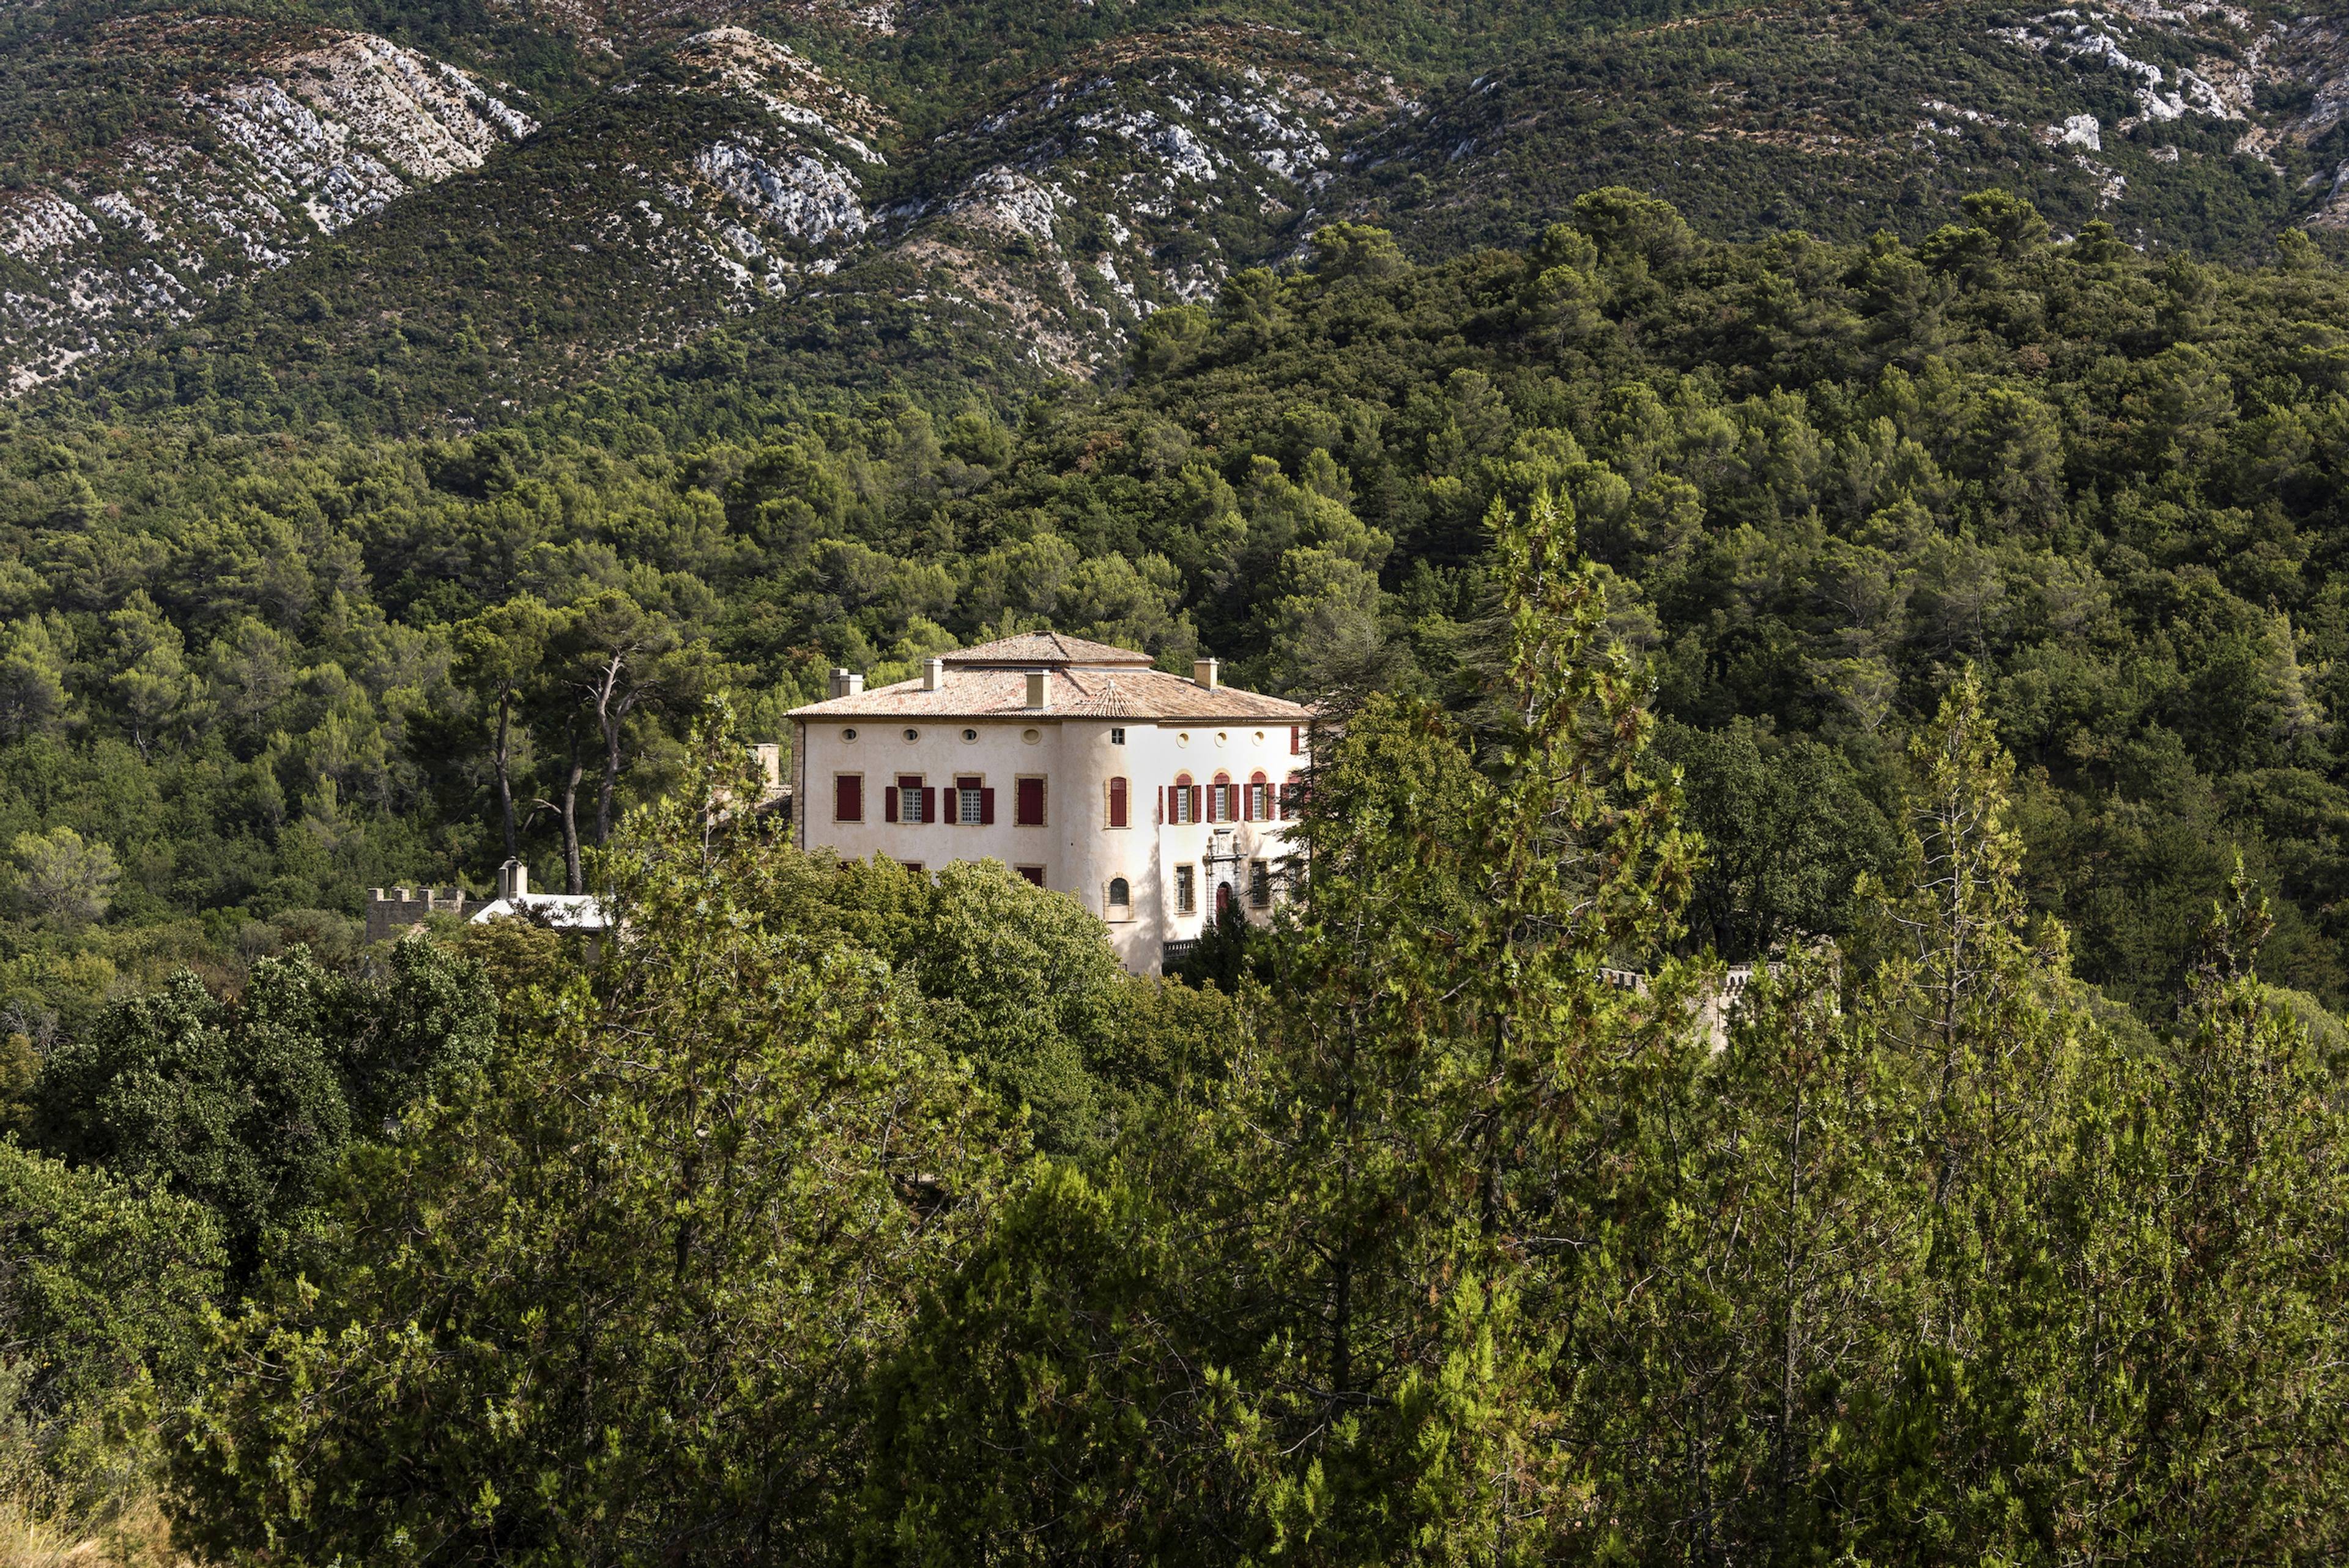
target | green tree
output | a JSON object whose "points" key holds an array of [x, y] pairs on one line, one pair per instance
{"points": [[248, 1105], [61, 879], [616, 1297], [500, 654], [102, 1308], [33, 696], [149, 676]]}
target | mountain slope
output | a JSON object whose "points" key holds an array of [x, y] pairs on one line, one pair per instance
{"points": [[247, 142], [1044, 176], [2205, 129]]}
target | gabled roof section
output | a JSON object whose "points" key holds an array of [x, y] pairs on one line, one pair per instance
{"points": [[993, 691], [1046, 650]]}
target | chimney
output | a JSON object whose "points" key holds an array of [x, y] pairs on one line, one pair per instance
{"points": [[934, 674], [847, 684], [513, 880], [1203, 671], [1039, 688]]}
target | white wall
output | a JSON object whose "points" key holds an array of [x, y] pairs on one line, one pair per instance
{"points": [[1079, 853]]}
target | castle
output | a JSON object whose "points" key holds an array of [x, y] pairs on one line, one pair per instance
{"points": [[1155, 801]]}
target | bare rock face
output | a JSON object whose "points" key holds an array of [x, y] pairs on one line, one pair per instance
{"points": [[315, 136], [1142, 179], [702, 172]]}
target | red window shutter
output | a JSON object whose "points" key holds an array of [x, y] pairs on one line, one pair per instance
{"points": [[946, 812], [1029, 799], [848, 798], [929, 804], [1297, 740], [1162, 806], [986, 808], [889, 804], [1194, 802], [1117, 802], [1033, 874]]}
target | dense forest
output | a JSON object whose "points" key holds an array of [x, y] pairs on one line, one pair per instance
{"points": [[1952, 627]]}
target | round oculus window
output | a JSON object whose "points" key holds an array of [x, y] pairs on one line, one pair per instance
{"points": [[1031, 735], [849, 736], [1182, 739], [969, 736], [912, 735]]}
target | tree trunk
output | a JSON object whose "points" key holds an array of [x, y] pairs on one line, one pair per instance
{"points": [[575, 876], [611, 712], [503, 762]]}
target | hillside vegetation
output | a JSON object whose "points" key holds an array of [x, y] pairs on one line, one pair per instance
{"points": [[265, 673], [1851, 489]]}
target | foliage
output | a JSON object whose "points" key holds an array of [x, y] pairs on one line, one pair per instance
{"points": [[246, 1104], [613, 1296], [102, 1311]]}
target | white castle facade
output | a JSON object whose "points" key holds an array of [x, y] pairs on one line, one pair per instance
{"points": [[1153, 800]]}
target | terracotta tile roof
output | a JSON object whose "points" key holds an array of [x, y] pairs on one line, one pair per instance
{"points": [[1127, 692], [1039, 650]]}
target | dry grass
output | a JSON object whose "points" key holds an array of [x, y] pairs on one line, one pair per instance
{"points": [[136, 1535]]}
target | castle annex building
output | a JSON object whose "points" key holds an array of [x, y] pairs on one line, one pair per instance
{"points": [[1153, 800]]}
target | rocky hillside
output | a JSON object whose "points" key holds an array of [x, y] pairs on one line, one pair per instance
{"points": [[263, 141], [323, 219]]}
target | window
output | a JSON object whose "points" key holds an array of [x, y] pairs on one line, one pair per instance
{"points": [[1186, 890], [1183, 801], [849, 736], [969, 802], [909, 802], [912, 735], [1117, 735], [1260, 883], [1117, 805], [1121, 895], [1292, 797], [1033, 874], [913, 866], [1221, 802], [848, 797], [1027, 803], [1259, 799]]}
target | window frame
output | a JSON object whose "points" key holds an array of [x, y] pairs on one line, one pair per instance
{"points": [[1032, 875], [1259, 888], [1020, 783], [1186, 890], [1115, 909], [857, 780], [971, 801], [919, 792]]}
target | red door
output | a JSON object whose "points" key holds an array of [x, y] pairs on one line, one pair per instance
{"points": [[1223, 899]]}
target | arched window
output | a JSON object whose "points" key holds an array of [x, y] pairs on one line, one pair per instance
{"points": [[1183, 806], [1121, 893], [1259, 799], [1220, 804]]}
